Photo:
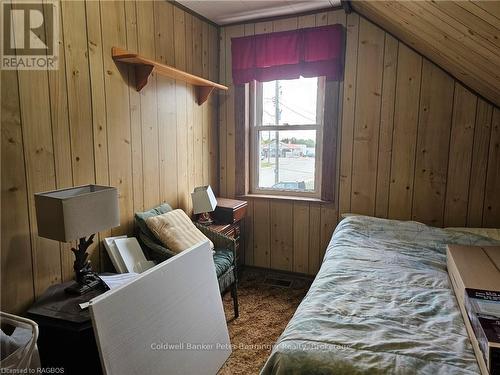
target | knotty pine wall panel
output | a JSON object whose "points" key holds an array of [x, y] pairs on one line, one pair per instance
{"points": [[414, 144], [86, 123], [463, 37]]}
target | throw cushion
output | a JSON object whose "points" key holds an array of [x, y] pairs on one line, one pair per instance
{"points": [[176, 231], [141, 217], [223, 260]]}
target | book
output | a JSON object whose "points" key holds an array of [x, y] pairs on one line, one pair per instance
{"points": [[483, 310]]}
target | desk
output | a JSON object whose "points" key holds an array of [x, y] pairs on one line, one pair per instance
{"points": [[229, 216], [66, 336]]}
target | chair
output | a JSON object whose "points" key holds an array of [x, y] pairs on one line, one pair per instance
{"points": [[224, 255]]}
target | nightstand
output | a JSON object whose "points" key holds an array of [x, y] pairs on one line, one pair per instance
{"points": [[66, 338], [228, 219]]}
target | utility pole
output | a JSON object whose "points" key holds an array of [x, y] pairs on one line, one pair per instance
{"points": [[277, 122]]}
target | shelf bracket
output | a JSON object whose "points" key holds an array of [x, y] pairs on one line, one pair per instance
{"points": [[142, 73], [202, 93]]}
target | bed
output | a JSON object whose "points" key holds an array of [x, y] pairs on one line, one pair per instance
{"points": [[381, 303]]}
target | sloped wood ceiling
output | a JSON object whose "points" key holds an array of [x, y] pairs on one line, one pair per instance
{"points": [[463, 37]]}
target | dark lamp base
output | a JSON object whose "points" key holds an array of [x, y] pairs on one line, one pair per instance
{"points": [[86, 279], [205, 219], [90, 282]]}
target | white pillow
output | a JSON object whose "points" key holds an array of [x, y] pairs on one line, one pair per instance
{"points": [[176, 231]]}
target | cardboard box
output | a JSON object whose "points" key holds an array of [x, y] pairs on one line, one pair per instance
{"points": [[475, 273]]}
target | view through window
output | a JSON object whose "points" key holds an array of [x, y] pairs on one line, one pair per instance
{"points": [[287, 135]]}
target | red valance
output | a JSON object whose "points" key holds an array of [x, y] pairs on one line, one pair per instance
{"points": [[310, 52]]}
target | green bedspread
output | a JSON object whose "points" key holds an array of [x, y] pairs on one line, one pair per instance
{"points": [[380, 304]]}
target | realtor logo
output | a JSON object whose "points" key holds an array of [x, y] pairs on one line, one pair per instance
{"points": [[30, 32]]}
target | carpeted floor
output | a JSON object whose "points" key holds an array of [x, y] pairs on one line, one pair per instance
{"points": [[265, 310]]}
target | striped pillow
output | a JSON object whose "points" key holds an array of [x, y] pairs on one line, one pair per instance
{"points": [[176, 231]]}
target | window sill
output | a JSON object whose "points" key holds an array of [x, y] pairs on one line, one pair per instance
{"points": [[285, 198]]}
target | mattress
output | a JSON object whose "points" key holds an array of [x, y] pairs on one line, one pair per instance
{"points": [[380, 304], [493, 233]]}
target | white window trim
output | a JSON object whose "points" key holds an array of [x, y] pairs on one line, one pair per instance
{"points": [[256, 127]]}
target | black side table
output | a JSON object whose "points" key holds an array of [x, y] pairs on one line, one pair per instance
{"points": [[66, 337]]}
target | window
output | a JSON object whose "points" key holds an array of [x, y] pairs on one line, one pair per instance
{"points": [[286, 136]]}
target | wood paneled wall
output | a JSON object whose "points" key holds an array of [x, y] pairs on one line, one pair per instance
{"points": [[85, 123], [414, 144], [462, 36]]}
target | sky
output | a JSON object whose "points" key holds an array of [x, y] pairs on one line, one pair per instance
{"points": [[297, 104]]}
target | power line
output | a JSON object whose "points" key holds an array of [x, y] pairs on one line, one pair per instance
{"points": [[288, 106], [297, 113], [302, 109], [292, 110]]}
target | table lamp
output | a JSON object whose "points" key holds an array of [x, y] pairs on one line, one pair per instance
{"points": [[78, 213], [204, 202]]}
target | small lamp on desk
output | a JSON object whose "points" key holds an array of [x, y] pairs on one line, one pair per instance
{"points": [[74, 214], [204, 202]]}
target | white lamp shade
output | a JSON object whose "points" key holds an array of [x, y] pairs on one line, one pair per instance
{"points": [[203, 199], [69, 214]]}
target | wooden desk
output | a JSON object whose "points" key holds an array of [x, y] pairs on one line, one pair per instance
{"points": [[229, 210], [229, 216], [66, 337]]}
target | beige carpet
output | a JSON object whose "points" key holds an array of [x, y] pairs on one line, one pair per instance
{"points": [[265, 310]]}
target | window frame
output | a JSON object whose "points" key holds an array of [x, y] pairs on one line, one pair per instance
{"points": [[255, 119]]}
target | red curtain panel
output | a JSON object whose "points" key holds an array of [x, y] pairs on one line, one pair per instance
{"points": [[310, 52]]}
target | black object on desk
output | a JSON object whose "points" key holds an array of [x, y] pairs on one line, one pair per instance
{"points": [[66, 338]]}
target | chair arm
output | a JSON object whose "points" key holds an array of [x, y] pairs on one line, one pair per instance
{"points": [[220, 240], [156, 251]]}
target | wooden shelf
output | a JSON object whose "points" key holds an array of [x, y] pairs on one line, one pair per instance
{"points": [[144, 67]]}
